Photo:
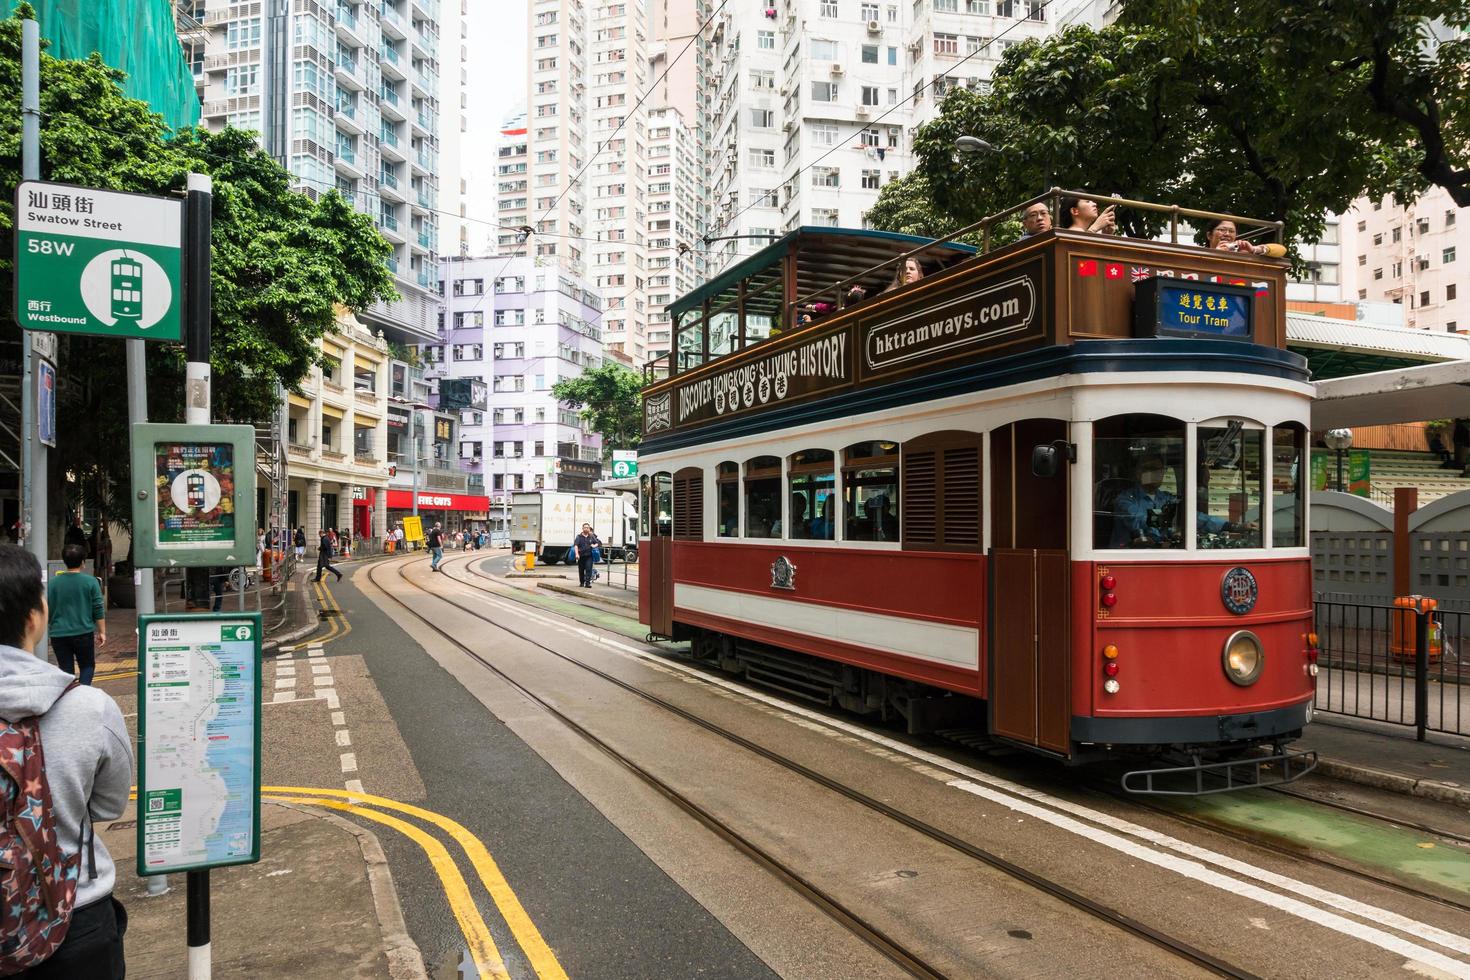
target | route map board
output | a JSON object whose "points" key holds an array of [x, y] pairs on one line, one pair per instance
{"points": [[199, 741]]}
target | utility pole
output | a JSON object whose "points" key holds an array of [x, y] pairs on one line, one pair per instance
{"points": [[413, 441], [33, 494]]}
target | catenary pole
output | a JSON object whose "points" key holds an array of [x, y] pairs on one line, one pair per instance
{"points": [[198, 313], [32, 451]]}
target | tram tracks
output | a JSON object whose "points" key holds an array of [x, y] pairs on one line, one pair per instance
{"points": [[875, 937]]}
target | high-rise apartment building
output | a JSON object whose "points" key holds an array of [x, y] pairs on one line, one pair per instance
{"points": [[676, 220], [346, 97], [454, 47], [516, 326], [1410, 254]]}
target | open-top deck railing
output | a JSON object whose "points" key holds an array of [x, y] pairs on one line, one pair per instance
{"points": [[837, 295]]}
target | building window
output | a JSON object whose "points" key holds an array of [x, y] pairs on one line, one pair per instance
{"points": [[1448, 255], [828, 9], [823, 49], [1424, 298], [977, 7], [763, 118], [826, 177], [824, 91], [1362, 226], [1398, 270], [1362, 260], [765, 40], [1377, 273], [1398, 234], [824, 217], [1378, 238], [946, 44], [824, 134], [1449, 219], [1452, 327], [870, 180], [762, 158], [1449, 293], [870, 95], [763, 78], [870, 54], [1362, 294]]}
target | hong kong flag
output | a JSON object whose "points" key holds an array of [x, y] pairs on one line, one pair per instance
{"points": [[1113, 271], [1087, 267]]}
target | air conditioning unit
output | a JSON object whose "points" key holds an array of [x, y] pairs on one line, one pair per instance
{"points": [[973, 84], [874, 27], [788, 126], [837, 70], [863, 112]]}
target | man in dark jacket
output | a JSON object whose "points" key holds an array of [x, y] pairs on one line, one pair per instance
{"points": [[324, 557], [435, 544], [584, 544]]}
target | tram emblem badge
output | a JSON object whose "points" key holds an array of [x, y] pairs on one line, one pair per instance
{"points": [[660, 410], [783, 574], [1238, 590]]}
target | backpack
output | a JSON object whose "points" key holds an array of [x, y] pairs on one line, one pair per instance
{"points": [[38, 884]]}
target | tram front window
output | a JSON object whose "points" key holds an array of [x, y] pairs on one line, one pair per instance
{"points": [[1228, 492], [1138, 475], [1288, 528]]}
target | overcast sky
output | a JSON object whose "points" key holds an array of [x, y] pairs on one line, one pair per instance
{"points": [[497, 84]]}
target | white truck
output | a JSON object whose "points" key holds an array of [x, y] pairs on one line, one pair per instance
{"points": [[547, 521]]}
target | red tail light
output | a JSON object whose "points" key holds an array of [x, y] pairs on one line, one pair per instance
{"points": [[1106, 583]]}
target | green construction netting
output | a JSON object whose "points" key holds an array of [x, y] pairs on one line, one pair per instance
{"points": [[136, 36]]}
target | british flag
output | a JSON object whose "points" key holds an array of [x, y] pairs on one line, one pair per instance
{"points": [[1138, 272]]}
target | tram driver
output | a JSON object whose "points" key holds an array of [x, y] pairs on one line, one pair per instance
{"points": [[1145, 515]]}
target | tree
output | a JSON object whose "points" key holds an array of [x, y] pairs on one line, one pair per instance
{"points": [[610, 399], [1390, 70], [1123, 110], [282, 262]]}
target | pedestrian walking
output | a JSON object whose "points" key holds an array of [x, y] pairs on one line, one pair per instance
{"points": [[299, 541], [324, 553], [585, 544], [65, 753], [346, 543], [77, 615], [398, 538], [436, 547]]}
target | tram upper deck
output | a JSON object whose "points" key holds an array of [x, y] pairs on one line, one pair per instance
{"points": [[784, 327]]}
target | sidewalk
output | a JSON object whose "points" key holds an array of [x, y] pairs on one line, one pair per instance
{"points": [[1371, 755], [320, 903]]}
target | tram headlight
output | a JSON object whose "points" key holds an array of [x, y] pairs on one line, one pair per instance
{"points": [[1244, 658]]}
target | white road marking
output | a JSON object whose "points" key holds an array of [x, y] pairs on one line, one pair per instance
{"points": [[321, 669], [349, 762], [284, 696], [321, 680], [284, 682], [339, 719], [354, 786], [1004, 788], [330, 695], [344, 738]]}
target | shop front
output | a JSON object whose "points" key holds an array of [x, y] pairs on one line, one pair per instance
{"points": [[454, 511]]}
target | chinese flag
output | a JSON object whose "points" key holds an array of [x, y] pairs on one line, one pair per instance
{"points": [[1087, 267], [1113, 271]]}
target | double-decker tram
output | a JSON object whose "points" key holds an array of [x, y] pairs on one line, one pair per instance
{"points": [[1051, 490]]}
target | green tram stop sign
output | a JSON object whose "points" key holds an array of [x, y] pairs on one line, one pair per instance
{"points": [[98, 262]]}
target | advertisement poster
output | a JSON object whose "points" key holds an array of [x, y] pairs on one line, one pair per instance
{"points": [[1356, 471], [196, 493]]}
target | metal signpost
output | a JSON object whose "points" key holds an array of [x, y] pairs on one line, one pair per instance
{"points": [[98, 262], [199, 690]]}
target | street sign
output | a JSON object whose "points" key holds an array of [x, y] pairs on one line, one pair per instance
{"points": [[413, 528], [46, 403], [98, 262], [624, 463], [193, 495], [198, 741]]}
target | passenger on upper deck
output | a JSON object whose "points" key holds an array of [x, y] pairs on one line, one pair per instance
{"points": [[912, 270], [1081, 214], [1036, 219], [1221, 235]]}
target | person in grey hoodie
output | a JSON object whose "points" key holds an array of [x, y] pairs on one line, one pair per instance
{"points": [[89, 768]]}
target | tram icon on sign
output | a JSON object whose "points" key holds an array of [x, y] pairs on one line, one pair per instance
{"points": [[127, 288]]}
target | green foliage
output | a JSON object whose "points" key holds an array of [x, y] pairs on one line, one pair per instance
{"points": [[610, 399], [1222, 107], [282, 262]]}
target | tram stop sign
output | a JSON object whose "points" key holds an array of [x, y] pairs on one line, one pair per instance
{"points": [[98, 262], [625, 463]]}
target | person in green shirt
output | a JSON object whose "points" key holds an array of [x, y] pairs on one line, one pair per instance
{"points": [[75, 600]]}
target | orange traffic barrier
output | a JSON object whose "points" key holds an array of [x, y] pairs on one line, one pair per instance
{"points": [[1405, 627]]}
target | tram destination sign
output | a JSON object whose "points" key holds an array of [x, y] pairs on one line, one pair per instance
{"points": [[1181, 308], [974, 317], [90, 261]]}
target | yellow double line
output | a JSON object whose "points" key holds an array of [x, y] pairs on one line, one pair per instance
{"points": [[481, 944], [340, 626]]}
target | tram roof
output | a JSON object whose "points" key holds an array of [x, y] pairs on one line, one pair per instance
{"points": [[852, 251]]}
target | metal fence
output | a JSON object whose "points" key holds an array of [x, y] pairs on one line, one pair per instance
{"points": [[1401, 664]]}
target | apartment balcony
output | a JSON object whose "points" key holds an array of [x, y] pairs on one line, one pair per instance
{"points": [[391, 64], [390, 104], [389, 190], [346, 163], [348, 75], [349, 30], [348, 119], [392, 21], [388, 226], [389, 145], [425, 84]]}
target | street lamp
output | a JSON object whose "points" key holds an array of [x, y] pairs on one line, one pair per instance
{"points": [[1339, 441], [973, 145]]}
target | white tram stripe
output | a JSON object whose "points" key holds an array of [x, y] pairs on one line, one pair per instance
{"points": [[943, 643], [1016, 796]]}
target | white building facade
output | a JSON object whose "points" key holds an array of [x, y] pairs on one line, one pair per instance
{"points": [[518, 326], [1412, 255]]}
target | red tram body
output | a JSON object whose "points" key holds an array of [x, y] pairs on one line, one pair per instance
{"points": [[1006, 497]]}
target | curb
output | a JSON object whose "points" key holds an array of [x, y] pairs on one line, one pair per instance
{"points": [[1429, 789], [405, 961], [591, 594]]}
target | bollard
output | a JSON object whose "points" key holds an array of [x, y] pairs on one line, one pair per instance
{"points": [[530, 559], [1421, 667]]}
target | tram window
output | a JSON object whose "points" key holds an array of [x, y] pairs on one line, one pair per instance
{"points": [[729, 488], [689, 340], [1230, 455], [645, 501], [724, 332], [1288, 527], [1138, 476], [763, 497], [689, 504], [812, 506], [870, 491], [664, 504], [941, 492]]}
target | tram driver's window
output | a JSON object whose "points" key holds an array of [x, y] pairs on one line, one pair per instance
{"points": [[870, 491], [763, 497], [663, 504], [812, 508], [1230, 455], [728, 484], [1137, 482], [1288, 513], [645, 485]]}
